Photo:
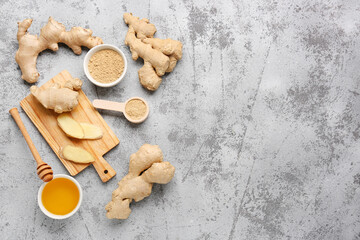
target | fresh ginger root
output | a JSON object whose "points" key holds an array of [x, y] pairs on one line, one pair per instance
{"points": [[73, 128], [59, 99], [72, 84], [159, 55], [50, 35], [146, 167], [59, 96], [76, 154], [143, 28]]}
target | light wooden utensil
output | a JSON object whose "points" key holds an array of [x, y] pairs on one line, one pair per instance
{"points": [[120, 107], [44, 171], [45, 121]]}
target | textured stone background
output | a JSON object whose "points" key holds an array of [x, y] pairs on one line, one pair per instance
{"points": [[260, 118]]}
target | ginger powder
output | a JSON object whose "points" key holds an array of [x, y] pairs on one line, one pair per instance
{"points": [[106, 66], [136, 109]]}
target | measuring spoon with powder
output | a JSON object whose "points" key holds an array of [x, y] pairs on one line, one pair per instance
{"points": [[135, 109]]}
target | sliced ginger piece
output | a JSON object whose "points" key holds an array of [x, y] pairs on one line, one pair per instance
{"points": [[74, 129], [91, 131], [71, 127], [76, 154]]}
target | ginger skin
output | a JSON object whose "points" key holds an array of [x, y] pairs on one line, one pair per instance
{"points": [[59, 96], [59, 99], [50, 35], [146, 167], [159, 55], [142, 27], [170, 47], [73, 84]]}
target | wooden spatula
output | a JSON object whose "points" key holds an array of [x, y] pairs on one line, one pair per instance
{"points": [[43, 169]]}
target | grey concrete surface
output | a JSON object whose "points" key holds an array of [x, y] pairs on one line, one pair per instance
{"points": [[260, 119]]}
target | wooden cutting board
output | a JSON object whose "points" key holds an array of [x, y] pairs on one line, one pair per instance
{"points": [[45, 121]]}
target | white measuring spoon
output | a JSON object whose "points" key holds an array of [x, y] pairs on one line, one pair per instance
{"points": [[120, 107]]}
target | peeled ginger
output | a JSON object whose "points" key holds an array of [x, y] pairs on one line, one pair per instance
{"points": [[76, 154], [74, 129]]}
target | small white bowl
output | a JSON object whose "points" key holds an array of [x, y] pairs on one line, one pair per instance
{"points": [[54, 216], [96, 49]]}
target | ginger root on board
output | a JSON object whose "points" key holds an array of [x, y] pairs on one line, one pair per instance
{"points": [[160, 55], [59, 99], [50, 35], [146, 167], [59, 96], [72, 84]]}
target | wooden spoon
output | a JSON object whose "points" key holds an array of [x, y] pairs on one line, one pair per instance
{"points": [[43, 170], [120, 107]]}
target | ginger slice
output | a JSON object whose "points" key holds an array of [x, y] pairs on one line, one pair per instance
{"points": [[74, 129], [91, 131], [71, 127], [76, 154]]}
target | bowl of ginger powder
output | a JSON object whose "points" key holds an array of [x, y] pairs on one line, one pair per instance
{"points": [[105, 65]]}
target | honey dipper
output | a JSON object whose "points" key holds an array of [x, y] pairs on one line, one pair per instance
{"points": [[44, 171]]}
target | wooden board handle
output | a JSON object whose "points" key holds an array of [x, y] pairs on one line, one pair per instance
{"points": [[103, 168], [15, 114]]}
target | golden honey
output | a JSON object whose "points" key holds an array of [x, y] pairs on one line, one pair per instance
{"points": [[60, 196]]}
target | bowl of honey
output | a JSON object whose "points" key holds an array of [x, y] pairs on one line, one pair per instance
{"points": [[61, 197]]}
